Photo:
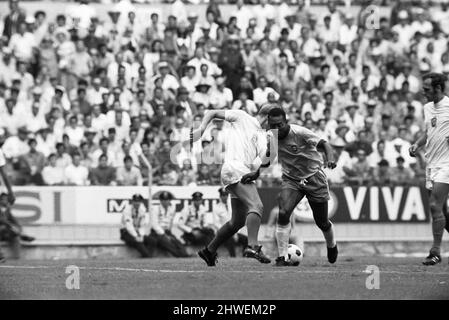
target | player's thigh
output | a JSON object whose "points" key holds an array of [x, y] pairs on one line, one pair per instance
{"points": [[288, 199], [440, 187], [439, 194], [317, 188], [248, 195]]}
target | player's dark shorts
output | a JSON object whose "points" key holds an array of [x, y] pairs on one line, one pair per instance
{"points": [[315, 187]]}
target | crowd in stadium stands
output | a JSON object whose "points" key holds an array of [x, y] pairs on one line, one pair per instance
{"points": [[88, 100]]}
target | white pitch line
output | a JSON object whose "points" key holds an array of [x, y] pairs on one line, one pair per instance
{"points": [[231, 271]]}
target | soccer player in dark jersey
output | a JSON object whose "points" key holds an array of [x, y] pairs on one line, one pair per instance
{"points": [[302, 175]]}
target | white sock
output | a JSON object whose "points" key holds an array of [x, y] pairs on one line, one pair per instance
{"points": [[282, 237], [329, 236]]}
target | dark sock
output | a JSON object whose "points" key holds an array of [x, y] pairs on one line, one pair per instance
{"points": [[223, 234], [446, 215], [253, 225]]}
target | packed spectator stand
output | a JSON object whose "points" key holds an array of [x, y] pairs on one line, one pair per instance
{"points": [[84, 97]]}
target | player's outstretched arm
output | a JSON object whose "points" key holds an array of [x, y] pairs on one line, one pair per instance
{"points": [[329, 152], [418, 144], [195, 134]]}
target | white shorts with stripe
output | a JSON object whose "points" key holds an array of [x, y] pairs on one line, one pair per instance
{"points": [[439, 175]]}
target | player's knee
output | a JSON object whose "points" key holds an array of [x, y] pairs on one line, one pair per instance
{"points": [[324, 225], [256, 208], [283, 217], [436, 209], [436, 213], [236, 224]]}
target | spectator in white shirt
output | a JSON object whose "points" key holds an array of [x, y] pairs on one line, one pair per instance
{"points": [[52, 174], [121, 128], [16, 146], [315, 107], [294, 28], [76, 174], [99, 120], [421, 24], [404, 30], [342, 158], [169, 82], [46, 141], [75, 132], [22, 43], [245, 104], [190, 80], [327, 34], [308, 44], [104, 148], [413, 82], [35, 121], [348, 31], [262, 91], [62, 157], [94, 93], [263, 11], [222, 96], [12, 118], [129, 175], [353, 119]]}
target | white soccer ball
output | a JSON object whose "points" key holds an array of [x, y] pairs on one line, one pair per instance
{"points": [[295, 253]]}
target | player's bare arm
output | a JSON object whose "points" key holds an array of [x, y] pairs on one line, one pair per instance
{"points": [[418, 144], [254, 175], [329, 153], [196, 134]]}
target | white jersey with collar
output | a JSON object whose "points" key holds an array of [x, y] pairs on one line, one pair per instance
{"points": [[245, 145], [436, 118]]}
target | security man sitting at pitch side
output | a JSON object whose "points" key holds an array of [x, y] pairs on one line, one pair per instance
{"points": [[10, 229], [196, 222], [135, 224], [162, 218]]}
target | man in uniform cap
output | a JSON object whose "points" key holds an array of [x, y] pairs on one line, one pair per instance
{"points": [[163, 226], [135, 225], [196, 222]]}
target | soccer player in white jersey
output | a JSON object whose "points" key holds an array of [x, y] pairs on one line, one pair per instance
{"points": [[245, 149], [436, 141]]}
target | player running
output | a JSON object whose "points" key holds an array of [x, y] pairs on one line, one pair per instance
{"points": [[436, 140], [302, 176], [245, 149]]}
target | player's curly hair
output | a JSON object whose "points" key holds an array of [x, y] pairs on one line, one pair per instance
{"points": [[438, 79], [276, 112]]}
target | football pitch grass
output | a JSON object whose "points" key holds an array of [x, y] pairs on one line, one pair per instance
{"points": [[235, 279]]}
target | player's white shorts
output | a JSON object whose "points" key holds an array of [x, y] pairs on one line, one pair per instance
{"points": [[439, 175], [232, 172]]}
